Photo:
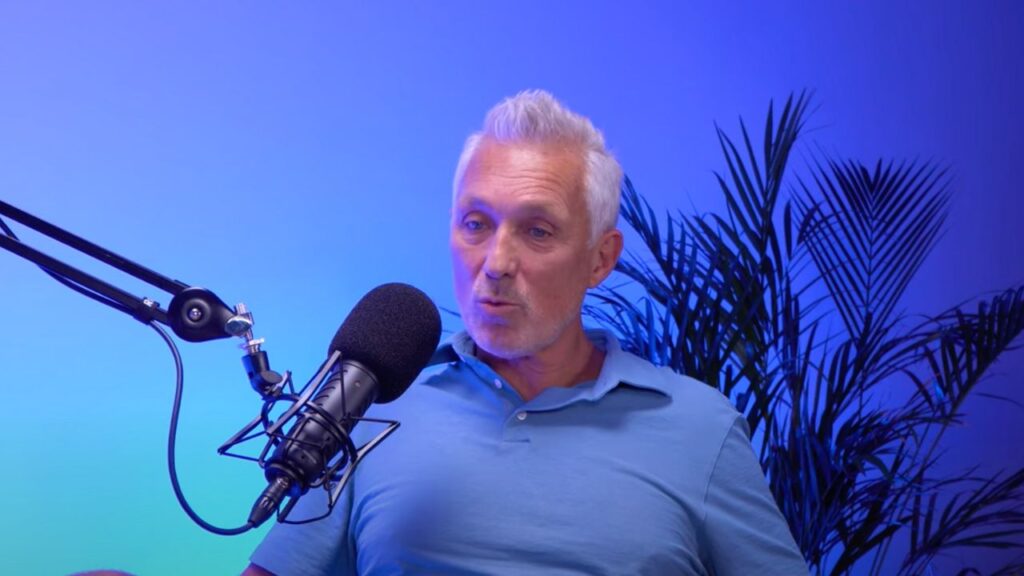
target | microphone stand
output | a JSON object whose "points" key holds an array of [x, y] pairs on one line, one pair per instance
{"points": [[197, 315], [194, 314]]}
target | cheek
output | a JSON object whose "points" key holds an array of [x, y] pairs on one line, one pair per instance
{"points": [[463, 263], [562, 283]]}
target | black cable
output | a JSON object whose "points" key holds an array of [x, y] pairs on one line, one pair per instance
{"points": [[171, 436], [87, 292]]}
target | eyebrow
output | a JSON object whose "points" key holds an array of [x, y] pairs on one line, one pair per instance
{"points": [[529, 208]]}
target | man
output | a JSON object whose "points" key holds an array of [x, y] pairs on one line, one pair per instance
{"points": [[542, 448]]}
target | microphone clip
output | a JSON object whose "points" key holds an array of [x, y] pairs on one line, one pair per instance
{"points": [[266, 382]]}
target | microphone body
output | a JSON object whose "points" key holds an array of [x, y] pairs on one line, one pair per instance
{"points": [[385, 342], [312, 441]]}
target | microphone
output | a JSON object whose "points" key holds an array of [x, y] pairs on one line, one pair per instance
{"points": [[385, 342]]}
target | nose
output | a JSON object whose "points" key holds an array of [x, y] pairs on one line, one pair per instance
{"points": [[502, 257]]}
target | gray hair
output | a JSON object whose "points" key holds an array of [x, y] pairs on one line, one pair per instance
{"points": [[535, 116]]}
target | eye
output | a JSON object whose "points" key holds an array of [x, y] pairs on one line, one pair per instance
{"points": [[473, 223], [538, 233]]}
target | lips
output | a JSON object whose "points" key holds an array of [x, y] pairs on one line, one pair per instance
{"points": [[495, 301], [496, 305]]}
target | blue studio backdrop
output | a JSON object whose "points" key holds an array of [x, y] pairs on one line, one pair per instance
{"points": [[293, 156]]}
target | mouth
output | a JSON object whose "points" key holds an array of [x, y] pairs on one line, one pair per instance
{"points": [[495, 305]]}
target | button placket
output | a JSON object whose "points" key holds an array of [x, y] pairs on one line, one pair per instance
{"points": [[515, 428]]}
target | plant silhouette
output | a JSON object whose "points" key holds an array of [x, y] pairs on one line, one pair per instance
{"points": [[790, 307]]}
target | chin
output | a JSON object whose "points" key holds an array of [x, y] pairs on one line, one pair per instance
{"points": [[506, 346], [509, 343], [502, 348], [506, 353]]}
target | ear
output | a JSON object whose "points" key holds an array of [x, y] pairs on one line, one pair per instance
{"points": [[604, 256]]}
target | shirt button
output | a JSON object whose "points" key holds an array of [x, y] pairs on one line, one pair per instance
{"points": [[497, 383], [521, 416]]}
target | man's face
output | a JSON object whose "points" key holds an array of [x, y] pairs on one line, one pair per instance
{"points": [[519, 241]]}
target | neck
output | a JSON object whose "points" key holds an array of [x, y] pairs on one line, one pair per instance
{"points": [[571, 359]]}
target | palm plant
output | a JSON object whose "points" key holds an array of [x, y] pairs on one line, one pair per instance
{"points": [[790, 307]]}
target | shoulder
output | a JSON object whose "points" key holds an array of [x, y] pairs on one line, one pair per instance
{"points": [[668, 409], [691, 399]]}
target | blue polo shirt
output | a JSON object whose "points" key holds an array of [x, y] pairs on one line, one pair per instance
{"points": [[641, 471]]}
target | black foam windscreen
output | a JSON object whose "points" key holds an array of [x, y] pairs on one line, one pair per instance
{"points": [[393, 330]]}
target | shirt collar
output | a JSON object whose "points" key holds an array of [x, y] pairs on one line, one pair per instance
{"points": [[620, 368]]}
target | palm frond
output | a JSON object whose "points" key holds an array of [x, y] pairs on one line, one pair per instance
{"points": [[870, 232], [990, 514], [958, 347]]}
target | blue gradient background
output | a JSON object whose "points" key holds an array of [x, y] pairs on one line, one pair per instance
{"points": [[293, 157]]}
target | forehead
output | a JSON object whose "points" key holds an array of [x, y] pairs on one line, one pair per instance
{"points": [[538, 175]]}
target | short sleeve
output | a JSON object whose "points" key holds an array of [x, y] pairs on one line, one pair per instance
{"points": [[743, 528], [320, 548]]}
